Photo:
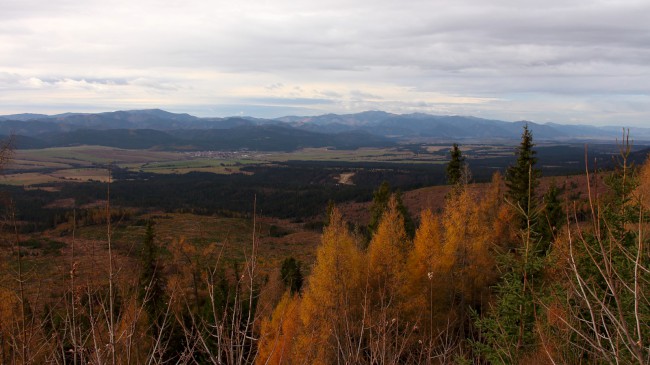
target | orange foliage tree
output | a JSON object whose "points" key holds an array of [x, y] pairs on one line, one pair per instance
{"points": [[330, 310]]}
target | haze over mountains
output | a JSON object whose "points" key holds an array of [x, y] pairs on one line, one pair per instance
{"points": [[156, 128]]}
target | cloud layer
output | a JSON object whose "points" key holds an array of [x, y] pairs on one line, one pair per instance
{"points": [[565, 61]]}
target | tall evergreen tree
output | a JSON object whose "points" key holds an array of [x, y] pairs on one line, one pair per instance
{"points": [[152, 284], [380, 199], [292, 274], [508, 330], [328, 212], [553, 217], [379, 203], [522, 178], [455, 166]]}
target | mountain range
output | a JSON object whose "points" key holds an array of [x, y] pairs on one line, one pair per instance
{"points": [[155, 128]]}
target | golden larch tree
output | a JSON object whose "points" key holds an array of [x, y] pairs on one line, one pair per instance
{"points": [[279, 333], [331, 310], [388, 328], [429, 273]]}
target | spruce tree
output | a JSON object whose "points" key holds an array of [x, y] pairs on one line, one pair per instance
{"points": [[379, 203], [152, 284], [328, 212], [292, 275], [380, 199], [522, 178], [553, 216], [508, 330], [455, 166]]}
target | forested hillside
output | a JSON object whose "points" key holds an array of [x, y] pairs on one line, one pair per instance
{"points": [[513, 272]]}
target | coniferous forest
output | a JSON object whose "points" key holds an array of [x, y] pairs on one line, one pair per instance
{"points": [[511, 271]]}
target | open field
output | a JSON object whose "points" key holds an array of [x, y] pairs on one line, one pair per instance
{"points": [[85, 156], [360, 155], [85, 163], [199, 164], [288, 185], [28, 179]]}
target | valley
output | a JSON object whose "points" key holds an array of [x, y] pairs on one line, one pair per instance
{"points": [[219, 229]]}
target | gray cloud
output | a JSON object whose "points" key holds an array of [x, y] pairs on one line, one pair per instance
{"points": [[503, 57]]}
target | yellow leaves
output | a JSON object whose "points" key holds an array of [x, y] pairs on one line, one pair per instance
{"points": [[457, 217], [475, 228], [339, 265], [429, 254], [334, 292], [428, 270], [388, 249], [353, 295], [278, 334], [431, 260]]}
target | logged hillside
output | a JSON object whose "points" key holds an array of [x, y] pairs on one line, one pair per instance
{"points": [[574, 188]]}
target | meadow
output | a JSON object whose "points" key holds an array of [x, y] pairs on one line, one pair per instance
{"points": [[89, 163]]}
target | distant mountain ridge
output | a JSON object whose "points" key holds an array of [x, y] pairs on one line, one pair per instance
{"points": [[449, 126], [156, 128]]}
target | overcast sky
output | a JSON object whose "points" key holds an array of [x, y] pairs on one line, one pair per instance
{"points": [[564, 61]]}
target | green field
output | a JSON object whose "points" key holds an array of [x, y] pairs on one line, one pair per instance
{"points": [[85, 163], [200, 164], [361, 155]]}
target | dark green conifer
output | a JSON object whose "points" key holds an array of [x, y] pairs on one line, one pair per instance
{"points": [[380, 200], [292, 275], [379, 203], [152, 284], [553, 216], [455, 166], [523, 177]]}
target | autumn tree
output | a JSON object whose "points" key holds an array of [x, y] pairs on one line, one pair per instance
{"points": [[389, 328], [475, 228], [331, 310], [279, 332], [429, 283]]}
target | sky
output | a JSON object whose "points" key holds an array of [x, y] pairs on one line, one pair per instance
{"points": [[562, 61]]}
